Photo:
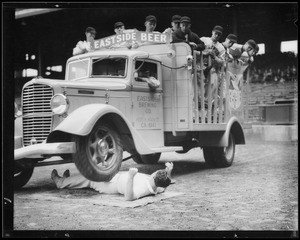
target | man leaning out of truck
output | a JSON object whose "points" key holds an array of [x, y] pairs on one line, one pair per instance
{"points": [[152, 81]]}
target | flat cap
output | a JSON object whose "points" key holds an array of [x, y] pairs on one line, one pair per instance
{"points": [[118, 24], [90, 30], [176, 18], [232, 37], [185, 19], [218, 29], [150, 18], [252, 43]]}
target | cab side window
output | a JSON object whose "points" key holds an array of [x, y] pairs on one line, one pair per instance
{"points": [[146, 69]]}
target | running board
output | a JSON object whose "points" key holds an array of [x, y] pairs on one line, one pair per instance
{"points": [[53, 162], [167, 149]]}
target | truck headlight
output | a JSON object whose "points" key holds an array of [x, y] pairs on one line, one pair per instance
{"points": [[59, 104]]}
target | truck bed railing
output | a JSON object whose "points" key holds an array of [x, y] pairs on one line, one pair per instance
{"points": [[211, 94]]}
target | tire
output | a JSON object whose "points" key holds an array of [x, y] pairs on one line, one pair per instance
{"points": [[147, 159], [220, 157], [21, 176], [99, 154], [208, 153]]}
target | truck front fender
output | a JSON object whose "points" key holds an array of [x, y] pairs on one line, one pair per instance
{"points": [[82, 120]]}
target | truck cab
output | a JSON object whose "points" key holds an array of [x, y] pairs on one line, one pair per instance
{"points": [[104, 106]]}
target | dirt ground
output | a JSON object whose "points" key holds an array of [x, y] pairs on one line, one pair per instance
{"points": [[258, 192]]}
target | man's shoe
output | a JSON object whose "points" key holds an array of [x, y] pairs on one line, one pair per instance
{"points": [[66, 173], [54, 175], [56, 178]]}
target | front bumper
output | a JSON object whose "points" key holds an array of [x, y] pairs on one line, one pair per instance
{"points": [[42, 149]]}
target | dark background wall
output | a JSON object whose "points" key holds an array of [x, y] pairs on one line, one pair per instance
{"points": [[52, 36]]}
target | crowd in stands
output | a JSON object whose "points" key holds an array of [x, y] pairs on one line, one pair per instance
{"points": [[274, 67]]}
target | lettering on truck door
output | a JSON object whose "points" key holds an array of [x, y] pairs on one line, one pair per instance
{"points": [[147, 104]]}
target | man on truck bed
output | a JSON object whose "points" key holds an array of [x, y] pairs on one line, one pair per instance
{"points": [[131, 184], [248, 49], [119, 27], [184, 34], [150, 24], [215, 50], [175, 25], [84, 46], [212, 45], [229, 41]]}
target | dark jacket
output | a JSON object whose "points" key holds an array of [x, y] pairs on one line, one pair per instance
{"points": [[179, 36]]}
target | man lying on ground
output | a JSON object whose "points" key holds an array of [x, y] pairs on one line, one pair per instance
{"points": [[131, 184]]}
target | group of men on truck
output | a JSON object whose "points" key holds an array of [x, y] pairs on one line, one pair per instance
{"points": [[181, 32], [215, 54]]}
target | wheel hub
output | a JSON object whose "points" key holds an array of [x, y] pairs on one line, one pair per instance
{"points": [[102, 147]]}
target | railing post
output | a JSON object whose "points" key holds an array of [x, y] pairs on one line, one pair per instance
{"points": [[209, 92], [247, 95], [215, 95], [195, 83], [226, 107], [222, 88], [202, 110]]}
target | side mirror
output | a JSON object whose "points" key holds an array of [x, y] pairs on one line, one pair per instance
{"points": [[135, 75]]}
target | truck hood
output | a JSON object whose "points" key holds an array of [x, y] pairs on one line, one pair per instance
{"points": [[85, 83]]}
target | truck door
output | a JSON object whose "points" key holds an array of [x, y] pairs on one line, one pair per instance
{"points": [[147, 106]]}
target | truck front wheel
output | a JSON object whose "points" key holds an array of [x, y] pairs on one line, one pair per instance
{"points": [[21, 175], [99, 154], [220, 156]]}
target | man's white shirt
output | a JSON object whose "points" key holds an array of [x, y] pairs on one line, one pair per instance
{"points": [[141, 184], [209, 44], [81, 47]]}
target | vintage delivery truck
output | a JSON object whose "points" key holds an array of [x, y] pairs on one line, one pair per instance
{"points": [[103, 107]]}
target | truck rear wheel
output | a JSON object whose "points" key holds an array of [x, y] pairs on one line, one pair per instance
{"points": [[99, 154], [220, 156], [147, 159], [21, 175]]}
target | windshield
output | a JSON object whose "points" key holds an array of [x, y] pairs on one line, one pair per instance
{"points": [[109, 67], [78, 69]]}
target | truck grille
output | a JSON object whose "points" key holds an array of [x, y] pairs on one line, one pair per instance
{"points": [[37, 113]]}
